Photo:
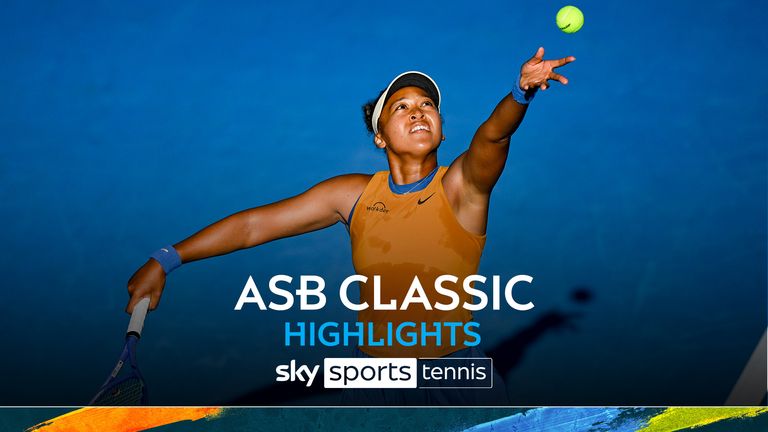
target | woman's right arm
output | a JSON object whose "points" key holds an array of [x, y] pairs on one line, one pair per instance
{"points": [[321, 206]]}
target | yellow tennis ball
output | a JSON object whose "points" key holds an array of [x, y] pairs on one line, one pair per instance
{"points": [[570, 19]]}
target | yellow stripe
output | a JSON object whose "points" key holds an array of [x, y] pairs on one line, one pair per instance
{"points": [[675, 419]]}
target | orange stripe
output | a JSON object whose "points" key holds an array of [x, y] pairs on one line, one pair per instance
{"points": [[122, 419]]}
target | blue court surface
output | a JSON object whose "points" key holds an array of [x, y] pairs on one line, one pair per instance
{"points": [[635, 196]]}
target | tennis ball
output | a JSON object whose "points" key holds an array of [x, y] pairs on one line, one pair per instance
{"points": [[570, 19]]}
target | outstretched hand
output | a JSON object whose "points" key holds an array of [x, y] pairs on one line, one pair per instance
{"points": [[536, 72]]}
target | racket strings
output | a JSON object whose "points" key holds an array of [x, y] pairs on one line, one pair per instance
{"points": [[124, 393]]}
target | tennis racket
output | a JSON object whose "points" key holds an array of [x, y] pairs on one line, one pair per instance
{"points": [[127, 388]]}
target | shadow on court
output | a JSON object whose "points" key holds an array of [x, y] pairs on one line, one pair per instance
{"points": [[509, 352]]}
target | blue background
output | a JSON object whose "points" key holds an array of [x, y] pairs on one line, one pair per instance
{"points": [[125, 127]]}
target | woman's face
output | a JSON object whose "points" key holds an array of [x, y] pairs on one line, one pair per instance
{"points": [[409, 123]]}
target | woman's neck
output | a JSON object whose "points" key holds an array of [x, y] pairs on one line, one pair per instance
{"points": [[409, 171]]}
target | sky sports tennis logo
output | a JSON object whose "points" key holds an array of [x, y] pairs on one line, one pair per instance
{"points": [[411, 373]]}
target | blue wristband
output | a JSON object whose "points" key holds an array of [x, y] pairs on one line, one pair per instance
{"points": [[521, 96], [168, 258]]}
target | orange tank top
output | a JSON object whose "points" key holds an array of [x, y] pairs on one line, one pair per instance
{"points": [[399, 236]]}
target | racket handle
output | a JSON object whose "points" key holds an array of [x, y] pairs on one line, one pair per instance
{"points": [[137, 317]]}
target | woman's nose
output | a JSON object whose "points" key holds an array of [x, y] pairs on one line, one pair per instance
{"points": [[417, 114]]}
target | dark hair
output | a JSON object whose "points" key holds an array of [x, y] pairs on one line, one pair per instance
{"points": [[368, 112]]}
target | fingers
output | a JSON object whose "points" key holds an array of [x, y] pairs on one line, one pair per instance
{"points": [[545, 85], [537, 58], [148, 281], [154, 301], [563, 61], [557, 77], [136, 296], [536, 72], [132, 303], [525, 85], [133, 298]]}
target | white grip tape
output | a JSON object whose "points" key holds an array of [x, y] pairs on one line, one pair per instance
{"points": [[138, 315]]}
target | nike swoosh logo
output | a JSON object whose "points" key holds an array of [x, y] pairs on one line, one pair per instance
{"points": [[425, 199]]}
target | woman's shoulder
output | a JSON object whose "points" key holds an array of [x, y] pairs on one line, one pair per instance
{"points": [[344, 190], [348, 184], [353, 179]]}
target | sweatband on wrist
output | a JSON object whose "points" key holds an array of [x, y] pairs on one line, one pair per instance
{"points": [[168, 258], [521, 96]]}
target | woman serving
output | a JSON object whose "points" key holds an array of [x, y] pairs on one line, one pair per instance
{"points": [[417, 219]]}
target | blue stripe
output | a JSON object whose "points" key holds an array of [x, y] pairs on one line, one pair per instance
{"points": [[400, 189], [406, 188], [563, 419]]}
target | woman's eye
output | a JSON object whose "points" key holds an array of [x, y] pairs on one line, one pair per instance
{"points": [[428, 103], [400, 106]]}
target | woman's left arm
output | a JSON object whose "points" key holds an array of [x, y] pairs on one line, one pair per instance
{"points": [[481, 165]]}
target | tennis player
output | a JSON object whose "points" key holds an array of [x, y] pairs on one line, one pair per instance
{"points": [[417, 219]]}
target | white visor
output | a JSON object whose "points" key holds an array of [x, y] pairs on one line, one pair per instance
{"points": [[405, 79]]}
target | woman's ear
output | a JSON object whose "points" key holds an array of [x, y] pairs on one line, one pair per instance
{"points": [[443, 138], [379, 141]]}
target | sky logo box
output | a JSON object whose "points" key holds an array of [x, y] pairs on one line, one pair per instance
{"points": [[407, 373]]}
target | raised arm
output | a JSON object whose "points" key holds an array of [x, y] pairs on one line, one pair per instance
{"points": [[483, 163], [473, 174], [321, 206]]}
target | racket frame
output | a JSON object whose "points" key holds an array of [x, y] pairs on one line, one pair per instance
{"points": [[132, 336]]}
